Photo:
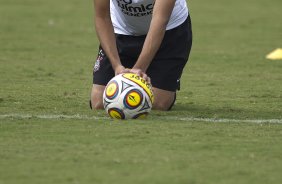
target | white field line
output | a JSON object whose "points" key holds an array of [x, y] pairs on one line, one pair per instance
{"points": [[50, 116], [172, 118], [220, 120]]}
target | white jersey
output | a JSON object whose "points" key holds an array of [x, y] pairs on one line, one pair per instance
{"points": [[133, 17]]}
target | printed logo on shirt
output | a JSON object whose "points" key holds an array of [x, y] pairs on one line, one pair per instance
{"points": [[134, 9]]}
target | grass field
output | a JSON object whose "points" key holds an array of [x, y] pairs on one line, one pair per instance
{"points": [[226, 126]]}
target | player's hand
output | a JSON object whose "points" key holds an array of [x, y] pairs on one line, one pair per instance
{"points": [[140, 73], [120, 69]]}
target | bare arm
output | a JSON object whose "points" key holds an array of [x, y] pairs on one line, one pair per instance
{"points": [[161, 14], [105, 33]]}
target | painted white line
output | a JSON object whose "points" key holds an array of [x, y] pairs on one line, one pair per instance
{"points": [[172, 118], [51, 116], [225, 120]]}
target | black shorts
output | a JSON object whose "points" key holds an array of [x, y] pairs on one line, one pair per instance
{"points": [[166, 68]]}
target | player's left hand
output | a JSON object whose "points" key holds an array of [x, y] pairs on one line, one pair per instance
{"points": [[138, 72]]}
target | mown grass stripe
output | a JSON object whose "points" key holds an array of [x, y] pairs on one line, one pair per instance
{"points": [[85, 117]]}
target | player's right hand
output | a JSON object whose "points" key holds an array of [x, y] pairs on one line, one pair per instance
{"points": [[120, 69]]}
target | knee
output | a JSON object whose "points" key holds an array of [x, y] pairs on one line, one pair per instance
{"points": [[164, 100], [163, 105], [96, 105], [96, 101]]}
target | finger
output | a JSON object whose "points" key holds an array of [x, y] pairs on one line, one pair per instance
{"points": [[135, 71], [139, 73], [126, 70], [146, 78], [149, 80]]}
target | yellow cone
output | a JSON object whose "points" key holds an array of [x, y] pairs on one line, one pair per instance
{"points": [[275, 55]]}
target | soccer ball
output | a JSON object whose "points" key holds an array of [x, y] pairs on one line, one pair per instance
{"points": [[128, 96]]}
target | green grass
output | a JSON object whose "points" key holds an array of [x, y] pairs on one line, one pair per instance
{"points": [[47, 50], [138, 152]]}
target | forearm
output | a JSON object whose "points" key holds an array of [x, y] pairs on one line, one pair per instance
{"points": [[107, 40], [105, 31], [151, 45], [161, 15]]}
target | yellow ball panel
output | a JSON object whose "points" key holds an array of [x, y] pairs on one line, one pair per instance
{"points": [[111, 89], [133, 99], [115, 114]]}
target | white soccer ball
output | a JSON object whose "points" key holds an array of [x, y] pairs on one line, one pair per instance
{"points": [[128, 96]]}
